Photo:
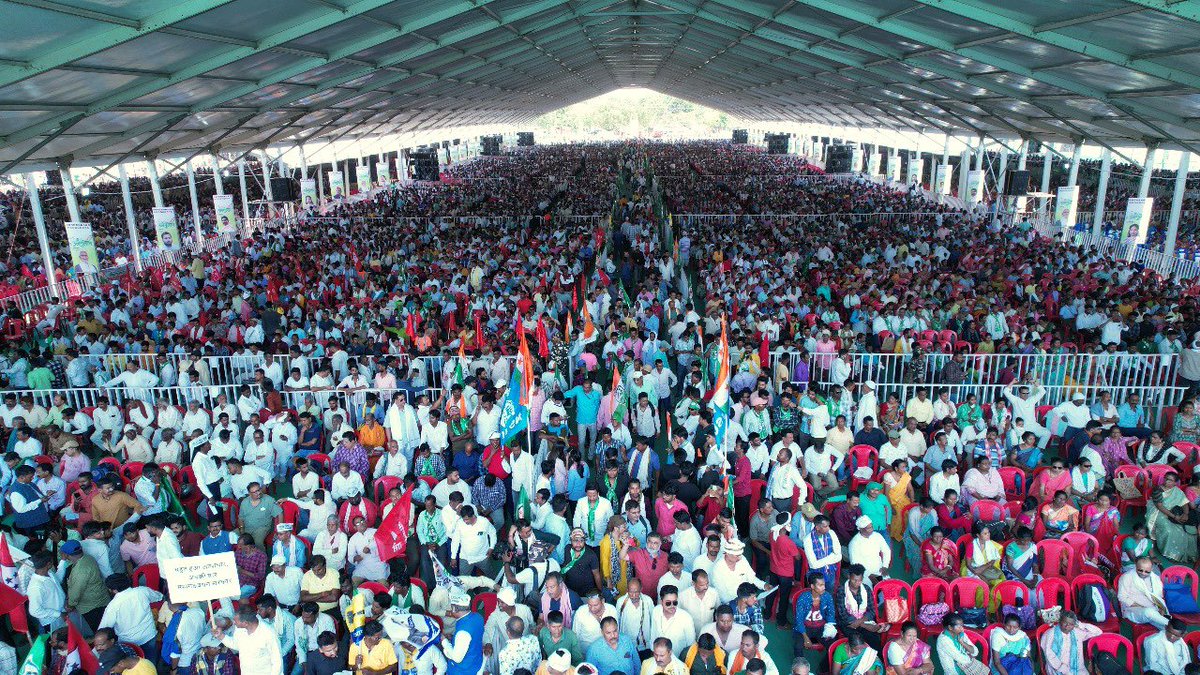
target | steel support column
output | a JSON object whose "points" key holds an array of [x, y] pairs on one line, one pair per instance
{"points": [[191, 176], [39, 223], [242, 186], [1101, 193], [135, 240], [218, 179], [68, 186], [1147, 171], [1177, 203], [152, 172]]}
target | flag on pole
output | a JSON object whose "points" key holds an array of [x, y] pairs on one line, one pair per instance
{"points": [[764, 354], [625, 295], [570, 328], [526, 375], [79, 654], [35, 663], [355, 615], [620, 399], [478, 329], [523, 509], [458, 365], [391, 538], [514, 412], [720, 390], [8, 575], [410, 329], [729, 492], [543, 339], [173, 504], [589, 328]]}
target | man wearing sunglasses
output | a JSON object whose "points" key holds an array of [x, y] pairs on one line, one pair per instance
{"points": [[1140, 592]]}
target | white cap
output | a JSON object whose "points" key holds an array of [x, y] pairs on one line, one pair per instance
{"points": [[1078, 396], [507, 595], [863, 521], [278, 561], [870, 384]]}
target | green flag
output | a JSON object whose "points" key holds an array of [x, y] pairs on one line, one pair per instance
{"points": [[523, 505], [625, 295], [35, 663], [174, 505]]}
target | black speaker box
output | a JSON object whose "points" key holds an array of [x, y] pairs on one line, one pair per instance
{"points": [[283, 189], [1016, 184], [525, 139], [741, 136]]}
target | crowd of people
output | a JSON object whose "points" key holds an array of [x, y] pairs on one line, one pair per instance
{"points": [[331, 402]]}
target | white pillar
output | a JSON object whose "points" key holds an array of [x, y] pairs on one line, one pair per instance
{"points": [[1147, 171], [191, 176], [69, 191], [1047, 164], [135, 239], [39, 223], [266, 168], [979, 154], [1023, 155], [218, 182], [945, 151], [320, 184], [1177, 203], [303, 162], [242, 186], [964, 167], [152, 170], [1000, 198], [1101, 193], [1073, 175]]}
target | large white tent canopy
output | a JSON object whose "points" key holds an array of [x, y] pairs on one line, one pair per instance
{"points": [[97, 82]]}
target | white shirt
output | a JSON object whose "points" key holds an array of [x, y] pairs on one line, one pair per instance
{"points": [[239, 485], [680, 629], [472, 542], [1166, 657], [258, 651], [725, 581], [524, 473], [587, 626], [939, 483], [128, 613], [873, 552], [341, 486], [1075, 416], [702, 610], [46, 599], [206, 473], [486, 423], [302, 483], [637, 621], [821, 463], [286, 589]]}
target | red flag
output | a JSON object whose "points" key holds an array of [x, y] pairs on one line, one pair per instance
{"points": [[78, 650], [575, 298], [392, 536], [543, 340], [11, 600], [478, 331], [605, 280], [764, 353], [410, 329]]}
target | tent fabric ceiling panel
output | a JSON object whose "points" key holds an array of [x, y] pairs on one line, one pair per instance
{"points": [[92, 81]]}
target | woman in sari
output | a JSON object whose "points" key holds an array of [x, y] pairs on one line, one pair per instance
{"points": [[918, 524], [891, 414], [1167, 517], [1102, 520], [1050, 481], [856, 657], [1114, 451], [898, 483], [939, 556], [909, 655], [983, 556], [614, 567], [1136, 545], [877, 507], [1186, 426], [1029, 514], [1060, 516], [1011, 648], [1020, 558], [1157, 451]]}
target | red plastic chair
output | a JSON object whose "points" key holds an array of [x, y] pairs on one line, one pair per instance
{"points": [[1111, 643], [1053, 591], [833, 648], [1193, 641], [925, 591], [429, 480], [1156, 474], [1113, 623], [1139, 478], [987, 511], [112, 463], [485, 604], [1007, 593], [416, 581], [862, 455], [985, 651], [148, 576], [386, 483], [374, 586], [319, 460], [1181, 574], [892, 589], [1016, 483], [291, 512], [132, 471], [1057, 558], [1083, 546], [229, 511], [135, 649], [966, 592], [1191, 458]]}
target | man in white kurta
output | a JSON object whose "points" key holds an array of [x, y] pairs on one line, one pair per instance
{"points": [[732, 571], [256, 644], [676, 626], [870, 549]]}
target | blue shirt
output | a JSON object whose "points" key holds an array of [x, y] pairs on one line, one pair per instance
{"points": [[622, 659], [472, 663], [467, 465], [804, 605], [1129, 417], [587, 406]]}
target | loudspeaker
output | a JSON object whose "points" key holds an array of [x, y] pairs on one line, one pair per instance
{"points": [[777, 144], [54, 177], [489, 145], [839, 159], [741, 136], [1016, 184], [524, 139], [424, 163], [283, 190]]}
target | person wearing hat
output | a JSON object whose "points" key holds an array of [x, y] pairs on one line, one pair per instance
{"points": [[558, 663], [495, 627], [464, 654], [284, 582], [1075, 414], [732, 570], [288, 546], [870, 549]]}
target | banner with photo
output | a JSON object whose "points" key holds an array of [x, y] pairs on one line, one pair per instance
{"points": [[337, 185], [856, 160], [916, 167], [941, 181], [308, 193], [1065, 204], [362, 177], [166, 228], [83, 247], [383, 173], [974, 187], [873, 162], [226, 213], [1137, 220], [893, 169]]}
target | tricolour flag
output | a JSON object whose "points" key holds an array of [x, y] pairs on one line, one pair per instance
{"points": [[36, 662], [8, 576], [720, 390], [570, 328], [589, 328], [458, 365], [514, 411], [391, 538], [79, 654], [620, 398]]}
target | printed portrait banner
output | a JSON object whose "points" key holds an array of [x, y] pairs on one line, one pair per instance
{"points": [[974, 187], [943, 175], [1137, 220], [83, 246], [856, 161], [362, 176], [226, 213], [201, 578], [916, 167], [894, 168], [873, 163], [337, 185], [1066, 202], [383, 173], [166, 228], [308, 193]]}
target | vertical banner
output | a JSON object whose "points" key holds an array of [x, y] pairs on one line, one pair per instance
{"points": [[337, 185], [944, 174], [83, 247], [308, 193], [1137, 220], [916, 166], [873, 163], [974, 187], [893, 170], [856, 161], [226, 213], [1065, 204], [383, 173], [362, 176], [166, 228]]}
